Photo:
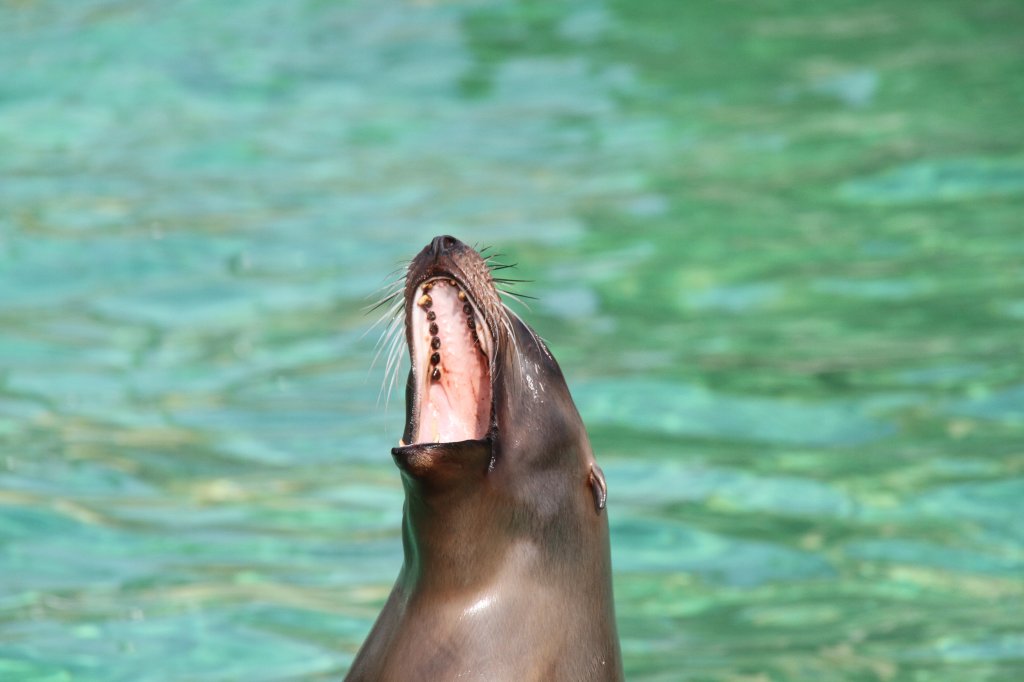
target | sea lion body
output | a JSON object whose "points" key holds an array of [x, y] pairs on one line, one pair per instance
{"points": [[507, 572]]}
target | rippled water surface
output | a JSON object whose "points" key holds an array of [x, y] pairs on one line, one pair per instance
{"points": [[777, 247]]}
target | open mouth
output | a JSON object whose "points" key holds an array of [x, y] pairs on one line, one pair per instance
{"points": [[451, 347]]}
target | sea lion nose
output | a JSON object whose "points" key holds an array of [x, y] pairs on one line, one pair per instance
{"points": [[442, 245]]}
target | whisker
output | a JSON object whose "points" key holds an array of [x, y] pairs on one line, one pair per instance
{"points": [[386, 339], [384, 301], [391, 290], [390, 313], [393, 319], [391, 371], [518, 300], [533, 334], [393, 364], [392, 283], [507, 324], [518, 296]]}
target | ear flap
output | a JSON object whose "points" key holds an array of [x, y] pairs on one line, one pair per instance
{"points": [[598, 487]]}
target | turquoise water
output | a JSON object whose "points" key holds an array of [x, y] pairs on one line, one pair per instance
{"points": [[777, 247]]}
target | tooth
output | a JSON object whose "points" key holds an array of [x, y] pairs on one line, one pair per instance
{"points": [[425, 301], [462, 295], [485, 343], [401, 443]]}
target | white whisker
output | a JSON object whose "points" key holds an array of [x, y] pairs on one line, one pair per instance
{"points": [[391, 371], [389, 314], [509, 294], [390, 286], [533, 334], [391, 340]]}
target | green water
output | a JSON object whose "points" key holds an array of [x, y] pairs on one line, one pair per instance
{"points": [[778, 249]]}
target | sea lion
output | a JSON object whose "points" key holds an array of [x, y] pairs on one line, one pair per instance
{"points": [[507, 572]]}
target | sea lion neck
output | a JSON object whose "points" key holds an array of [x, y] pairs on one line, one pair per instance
{"points": [[447, 501]]}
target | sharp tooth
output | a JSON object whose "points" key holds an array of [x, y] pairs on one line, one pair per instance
{"points": [[401, 443], [481, 338]]}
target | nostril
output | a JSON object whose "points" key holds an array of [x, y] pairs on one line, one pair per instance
{"points": [[442, 244]]}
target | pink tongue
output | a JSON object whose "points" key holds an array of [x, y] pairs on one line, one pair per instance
{"points": [[456, 406]]}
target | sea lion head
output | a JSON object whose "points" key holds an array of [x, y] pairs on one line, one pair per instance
{"points": [[484, 396]]}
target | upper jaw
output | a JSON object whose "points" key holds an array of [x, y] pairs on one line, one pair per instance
{"points": [[451, 347], [426, 285]]}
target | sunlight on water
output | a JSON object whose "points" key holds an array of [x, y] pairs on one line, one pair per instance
{"points": [[777, 249]]}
